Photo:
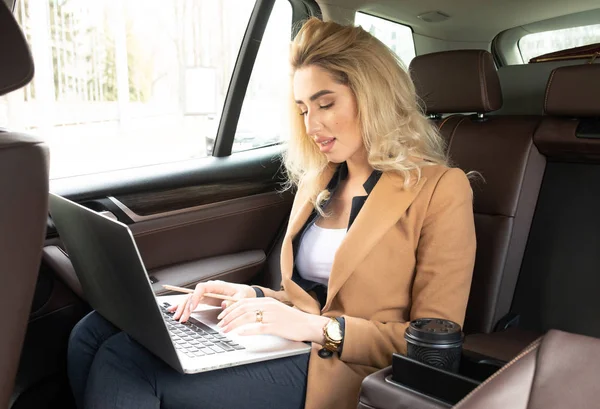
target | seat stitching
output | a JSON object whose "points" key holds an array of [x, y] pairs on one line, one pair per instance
{"points": [[548, 89], [483, 82], [535, 371], [529, 349]]}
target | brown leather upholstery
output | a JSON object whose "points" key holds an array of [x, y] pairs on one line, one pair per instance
{"points": [[16, 66], [502, 345], [457, 81], [23, 209], [560, 371], [502, 150], [378, 393], [556, 138], [23, 215], [574, 91]]}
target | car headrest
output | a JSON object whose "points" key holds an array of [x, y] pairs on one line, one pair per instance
{"points": [[574, 91], [16, 65], [457, 81]]}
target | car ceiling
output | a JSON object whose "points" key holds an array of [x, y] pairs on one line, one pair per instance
{"points": [[470, 20]]}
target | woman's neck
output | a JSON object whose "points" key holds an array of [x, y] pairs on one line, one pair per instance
{"points": [[359, 168]]}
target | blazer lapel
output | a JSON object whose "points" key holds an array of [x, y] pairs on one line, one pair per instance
{"points": [[383, 208], [301, 210]]}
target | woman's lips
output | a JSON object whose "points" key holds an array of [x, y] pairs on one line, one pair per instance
{"points": [[325, 144]]}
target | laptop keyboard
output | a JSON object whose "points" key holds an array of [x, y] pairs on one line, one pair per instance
{"points": [[195, 339]]}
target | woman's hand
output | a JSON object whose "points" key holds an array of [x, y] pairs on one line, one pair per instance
{"points": [[277, 319], [237, 291]]}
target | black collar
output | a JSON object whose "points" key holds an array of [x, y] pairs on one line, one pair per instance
{"points": [[341, 173]]}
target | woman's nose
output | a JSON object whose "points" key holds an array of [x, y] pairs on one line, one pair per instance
{"points": [[312, 123]]}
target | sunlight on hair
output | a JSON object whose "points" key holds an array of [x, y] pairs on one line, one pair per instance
{"points": [[395, 131]]}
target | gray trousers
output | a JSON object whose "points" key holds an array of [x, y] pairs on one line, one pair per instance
{"points": [[108, 369]]}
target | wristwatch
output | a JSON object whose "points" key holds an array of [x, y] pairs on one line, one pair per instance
{"points": [[333, 337]]}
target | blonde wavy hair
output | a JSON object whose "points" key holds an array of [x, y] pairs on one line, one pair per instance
{"points": [[396, 133]]}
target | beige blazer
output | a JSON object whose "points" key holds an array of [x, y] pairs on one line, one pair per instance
{"points": [[409, 254]]}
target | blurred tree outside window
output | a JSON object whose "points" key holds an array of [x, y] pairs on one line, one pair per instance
{"points": [[129, 83]]}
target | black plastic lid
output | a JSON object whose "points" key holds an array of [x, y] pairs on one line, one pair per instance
{"points": [[434, 331]]}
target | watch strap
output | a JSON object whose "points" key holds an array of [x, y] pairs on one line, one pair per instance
{"points": [[259, 292]]}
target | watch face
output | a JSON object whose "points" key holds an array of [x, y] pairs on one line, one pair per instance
{"points": [[334, 331]]}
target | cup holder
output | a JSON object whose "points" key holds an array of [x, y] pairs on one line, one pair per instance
{"points": [[442, 385]]}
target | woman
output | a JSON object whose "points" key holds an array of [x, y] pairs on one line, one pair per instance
{"points": [[381, 232]]}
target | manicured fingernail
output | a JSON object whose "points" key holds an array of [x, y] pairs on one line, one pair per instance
{"points": [[220, 324], [220, 316]]}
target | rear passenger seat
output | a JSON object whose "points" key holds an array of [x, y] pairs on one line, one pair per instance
{"points": [[560, 277], [558, 281], [500, 148]]}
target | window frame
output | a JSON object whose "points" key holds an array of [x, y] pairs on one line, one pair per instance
{"points": [[240, 78], [504, 46], [412, 31]]}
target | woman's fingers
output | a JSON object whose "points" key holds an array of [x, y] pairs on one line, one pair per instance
{"points": [[227, 303], [243, 303], [233, 312], [216, 287], [181, 308], [245, 318], [247, 311]]}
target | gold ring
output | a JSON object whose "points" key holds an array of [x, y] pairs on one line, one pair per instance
{"points": [[259, 316]]}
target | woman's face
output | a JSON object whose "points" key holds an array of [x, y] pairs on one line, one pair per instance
{"points": [[330, 114]]}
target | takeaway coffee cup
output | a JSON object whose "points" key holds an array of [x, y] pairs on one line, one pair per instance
{"points": [[436, 342]]}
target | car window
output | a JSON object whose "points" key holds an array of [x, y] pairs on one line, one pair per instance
{"points": [[533, 45], [398, 37], [264, 117], [129, 83]]}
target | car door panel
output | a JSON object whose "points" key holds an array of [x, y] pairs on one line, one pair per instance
{"points": [[247, 224], [240, 268], [144, 206], [216, 230]]}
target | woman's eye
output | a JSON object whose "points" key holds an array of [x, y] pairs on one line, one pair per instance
{"points": [[320, 107]]}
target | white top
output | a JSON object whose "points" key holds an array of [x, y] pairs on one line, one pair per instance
{"points": [[316, 253]]}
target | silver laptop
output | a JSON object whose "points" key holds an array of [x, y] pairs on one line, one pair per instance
{"points": [[116, 284]]}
